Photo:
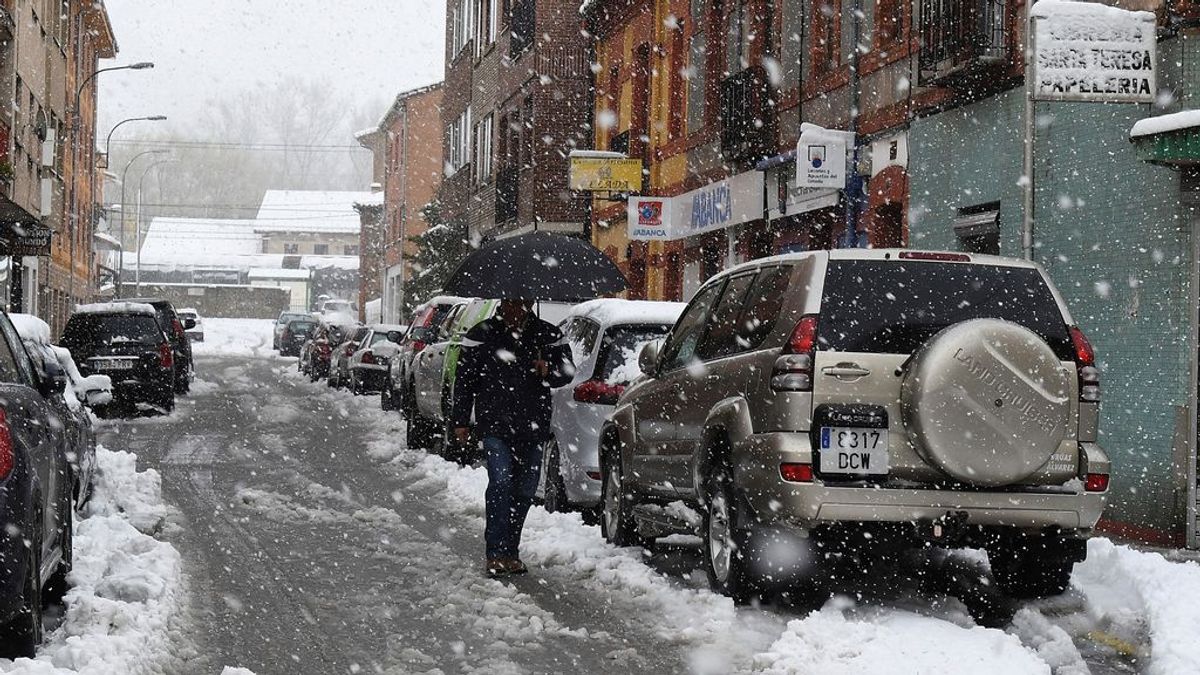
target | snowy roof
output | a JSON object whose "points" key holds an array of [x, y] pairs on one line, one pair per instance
{"points": [[115, 308], [608, 311], [1160, 124], [274, 273], [388, 327], [111, 241], [310, 211], [375, 199], [318, 262], [1084, 10], [185, 241], [31, 328]]}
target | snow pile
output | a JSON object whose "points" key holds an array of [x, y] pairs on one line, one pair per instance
{"points": [[1161, 124], [123, 612], [1122, 582], [236, 337], [607, 311], [115, 308], [31, 328], [837, 640]]}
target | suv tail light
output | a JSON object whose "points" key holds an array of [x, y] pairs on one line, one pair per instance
{"points": [[6, 446], [349, 350], [166, 358], [794, 367], [598, 391], [178, 325], [1085, 361], [368, 358], [1096, 482], [418, 346], [323, 348], [287, 335], [795, 472]]}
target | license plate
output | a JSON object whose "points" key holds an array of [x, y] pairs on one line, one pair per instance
{"points": [[854, 450], [114, 364]]}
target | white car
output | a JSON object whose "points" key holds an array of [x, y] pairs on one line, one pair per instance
{"points": [[196, 332], [605, 337], [369, 363]]}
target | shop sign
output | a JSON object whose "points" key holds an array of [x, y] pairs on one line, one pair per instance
{"points": [[1084, 51], [591, 173], [650, 218], [27, 239], [821, 157], [737, 199]]}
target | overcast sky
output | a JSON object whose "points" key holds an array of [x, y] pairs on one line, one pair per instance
{"points": [[204, 49]]}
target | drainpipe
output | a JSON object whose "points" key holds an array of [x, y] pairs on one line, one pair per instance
{"points": [[1027, 201], [853, 183]]}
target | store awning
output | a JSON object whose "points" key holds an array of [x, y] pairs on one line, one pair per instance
{"points": [[968, 225], [1169, 140]]}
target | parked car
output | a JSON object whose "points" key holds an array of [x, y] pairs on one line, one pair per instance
{"points": [[295, 333], [36, 510], [175, 329], [842, 402], [606, 337], [189, 315], [125, 341], [423, 330], [282, 322], [339, 360], [368, 365], [319, 348], [79, 394], [433, 378]]}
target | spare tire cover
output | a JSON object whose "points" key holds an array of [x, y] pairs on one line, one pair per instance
{"points": [[987, 402]]}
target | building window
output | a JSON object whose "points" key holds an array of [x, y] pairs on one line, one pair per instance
{"points": [[696, 73], [483, 150], [793, 53], [866, 25], [462, 25], [320, 249], [485, 30], [523, 26], [738, 37], [350, 249], [460, 142], [291, 249]]}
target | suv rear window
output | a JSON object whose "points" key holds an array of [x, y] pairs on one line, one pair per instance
{"points": [[90, 329], [618, 359], [893, 308]]}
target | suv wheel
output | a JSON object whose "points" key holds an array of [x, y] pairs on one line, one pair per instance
{"points": [[386, 402], [1031, 572], [617, 522], [555, 492], [21, 636], [724, 541]]}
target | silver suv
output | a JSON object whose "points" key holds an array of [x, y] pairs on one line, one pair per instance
{"points": [[810, 404]]}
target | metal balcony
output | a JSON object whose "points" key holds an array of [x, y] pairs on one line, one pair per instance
{"points": [[960, 39], [747, 115]]}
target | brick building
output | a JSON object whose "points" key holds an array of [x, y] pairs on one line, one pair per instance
{"points": [[517, 100], [407, 146], [49, 51]]}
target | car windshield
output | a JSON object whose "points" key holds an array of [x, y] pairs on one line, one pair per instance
{"points": [[112, 329], [301, 327]]}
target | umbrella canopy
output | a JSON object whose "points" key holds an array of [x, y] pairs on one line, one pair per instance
{"points": [[537, 266]]}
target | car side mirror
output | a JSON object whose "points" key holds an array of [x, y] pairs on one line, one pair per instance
{"points": [[189, 323], [648, 357], [54, 383], [97, 397]]}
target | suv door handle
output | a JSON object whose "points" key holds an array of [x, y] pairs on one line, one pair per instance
{"points": [[846, 371]]}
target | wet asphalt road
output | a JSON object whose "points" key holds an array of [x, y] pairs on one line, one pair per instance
{"points": [[300, 559]]}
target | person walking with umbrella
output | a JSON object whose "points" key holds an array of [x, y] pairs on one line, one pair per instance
{"points": [[505, 380], [505, 377]]}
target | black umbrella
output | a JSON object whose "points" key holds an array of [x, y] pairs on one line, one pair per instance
{"points": [[536, 266]]}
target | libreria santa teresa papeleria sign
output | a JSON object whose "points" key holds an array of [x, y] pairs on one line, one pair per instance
{"points": [[1084, 51]]}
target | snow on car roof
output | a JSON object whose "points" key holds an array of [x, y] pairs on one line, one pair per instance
{"points": [[31, 328], [614, 310], [388, 327], [116, 308]]}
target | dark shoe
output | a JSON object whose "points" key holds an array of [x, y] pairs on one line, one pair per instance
{"points": [[515, 566], [497, 567]]}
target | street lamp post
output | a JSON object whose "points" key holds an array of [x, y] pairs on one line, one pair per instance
{"points": [[137, 273], [69, 210], [108, 141], [125, 210]]}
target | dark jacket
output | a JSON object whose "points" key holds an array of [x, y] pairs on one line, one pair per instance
{"points": [[498, 380]]}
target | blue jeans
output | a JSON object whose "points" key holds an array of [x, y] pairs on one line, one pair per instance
{"points": [[513, 468]]}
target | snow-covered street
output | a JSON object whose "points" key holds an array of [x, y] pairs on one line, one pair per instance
{"points": [[295, 533]]}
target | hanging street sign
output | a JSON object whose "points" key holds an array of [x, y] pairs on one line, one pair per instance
{"points": [[1084, 51], [592, 171], [821, 157], [650, 218]]}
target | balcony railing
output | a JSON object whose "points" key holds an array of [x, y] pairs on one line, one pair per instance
{"points": [[960, 38], [747, 115], [508, 181]]}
